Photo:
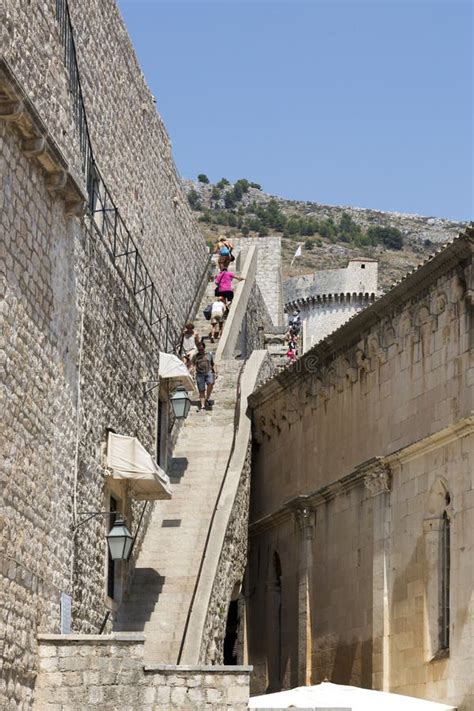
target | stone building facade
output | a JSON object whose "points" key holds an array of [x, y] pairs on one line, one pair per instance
{"points": [[80, 337], [361, 519], [326, 299]]}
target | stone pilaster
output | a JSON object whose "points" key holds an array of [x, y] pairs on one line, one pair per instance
{"points": [[378, 481], [305, 520]]}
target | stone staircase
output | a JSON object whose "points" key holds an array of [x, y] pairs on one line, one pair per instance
{"points": [[168, 564]]}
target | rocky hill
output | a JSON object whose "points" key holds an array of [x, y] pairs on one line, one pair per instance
{"points": [[329, 235]]}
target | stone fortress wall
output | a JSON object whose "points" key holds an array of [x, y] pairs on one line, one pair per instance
{"points": [[130, 142], [360, 276], [76, 349], [328, 298], [268, 274]]}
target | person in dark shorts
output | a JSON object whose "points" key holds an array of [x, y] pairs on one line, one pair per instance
{"points": [[224, 284], [206, 375]]}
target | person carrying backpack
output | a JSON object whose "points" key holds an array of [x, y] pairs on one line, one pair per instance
{"points": [[206, 374], [223, 250]]}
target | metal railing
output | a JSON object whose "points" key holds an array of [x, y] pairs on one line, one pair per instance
{"points": [[106, 220], [66, 34], [104, 216]]}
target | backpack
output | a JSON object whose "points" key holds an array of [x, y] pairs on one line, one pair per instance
{"points": [[224, 251], [207, 312], [204, 363]]}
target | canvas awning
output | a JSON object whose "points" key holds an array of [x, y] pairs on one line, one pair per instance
{"points": [[174, 370], [128, 459], [350, 698]]}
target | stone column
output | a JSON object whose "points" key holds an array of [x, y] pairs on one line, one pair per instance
{"points": [[305, 519], [378, 482]]}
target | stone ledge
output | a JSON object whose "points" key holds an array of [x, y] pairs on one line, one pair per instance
{"points": [[198, 668], [38, 144], [124, 637]]}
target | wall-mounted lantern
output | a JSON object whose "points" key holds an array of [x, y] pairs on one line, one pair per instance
{"points": [[119, 538], [180, 403]]}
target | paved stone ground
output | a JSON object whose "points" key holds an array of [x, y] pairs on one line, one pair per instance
{"points": [[168, 563]]}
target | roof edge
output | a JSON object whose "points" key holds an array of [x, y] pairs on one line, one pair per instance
{"points": [[347, 335]]}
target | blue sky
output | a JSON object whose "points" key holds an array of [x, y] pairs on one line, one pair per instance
{"points": [[341, 102]]}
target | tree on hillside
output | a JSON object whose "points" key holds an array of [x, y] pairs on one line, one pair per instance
{"points": [[202, 177], [229, 199], [193, 199], [348, 230], [222, 183], [391, 237]]}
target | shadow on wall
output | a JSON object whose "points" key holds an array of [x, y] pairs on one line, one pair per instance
{"points": [[353, 664], [177, 469], [144, 579]]}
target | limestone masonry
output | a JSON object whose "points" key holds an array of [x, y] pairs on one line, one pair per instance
{"points": [[326, 299], [314, 521]]}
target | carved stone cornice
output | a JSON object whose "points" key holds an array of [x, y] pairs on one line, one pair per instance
{"points": [[37, 143], [303, 507]]}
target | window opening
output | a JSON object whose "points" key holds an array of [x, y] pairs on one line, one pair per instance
{"points": [[445, 582], [231, 633], [362, 266], [277, 581]]}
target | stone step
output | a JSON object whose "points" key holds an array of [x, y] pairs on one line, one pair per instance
{"points": [[164, 579]]}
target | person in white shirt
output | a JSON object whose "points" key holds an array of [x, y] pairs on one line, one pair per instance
{"points": [[189, 345], [218, 312]]}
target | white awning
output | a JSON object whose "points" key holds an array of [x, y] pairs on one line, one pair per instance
{"points": [[352, 698], [173, 369], [128, 459]]}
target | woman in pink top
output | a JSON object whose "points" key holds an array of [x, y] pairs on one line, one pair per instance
{"points": [[224, 284]]}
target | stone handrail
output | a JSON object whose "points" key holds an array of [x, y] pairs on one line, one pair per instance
{"points": [[230, 335], [197, 619]]}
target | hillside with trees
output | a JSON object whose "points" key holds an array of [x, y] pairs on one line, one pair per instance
{"points": [[329, 235]]}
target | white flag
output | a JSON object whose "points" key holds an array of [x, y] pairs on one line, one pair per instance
{"points": [[297, 254]]}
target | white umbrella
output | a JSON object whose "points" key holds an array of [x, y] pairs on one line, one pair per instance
{"points": [[336, 696]]}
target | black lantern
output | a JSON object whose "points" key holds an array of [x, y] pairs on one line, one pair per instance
{"points": [[180, 403], [120, 540]]}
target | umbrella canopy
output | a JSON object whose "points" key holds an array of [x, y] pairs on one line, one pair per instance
{"points": [[336, 696], [174, 370]]}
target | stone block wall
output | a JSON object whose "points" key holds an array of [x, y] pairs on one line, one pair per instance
{"points": [[362, 432], [269, 278], [79, 673], [130, 143], [255, 324], [76, 348], [74, 354]]}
